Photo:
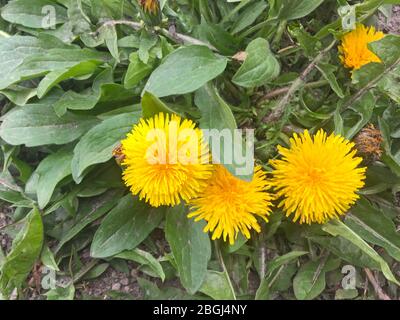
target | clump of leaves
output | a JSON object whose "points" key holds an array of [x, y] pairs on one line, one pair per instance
{"points": [[76, 75]]}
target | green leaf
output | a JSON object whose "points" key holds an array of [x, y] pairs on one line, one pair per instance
{"points": [[185, 70], [143, 258], [190, 246], [216, 114], [346, 250], [137, 70], [47, 258], [85, 68], [216, 285], [328, 71], [19, 95], [50, 172], [25, 250], [22, 47], [248, 16], [97, 144], [309, 281], [266, 283], [292, 9], [259, 67], [33, 13], [89, 211], [125, 227], [373, 226], [151, 106], [61, 293], [111, 40], [37, 125], [338, 228]]}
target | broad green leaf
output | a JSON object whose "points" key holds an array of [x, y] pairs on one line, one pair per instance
{"points": [[309, 281], [143, 258], [259, 67], [185, 70], [248, 16], [346, 250], [147, 41], [373, 226], [217, 116], [36, 65], [125, 227], [217, 36], [97, 144], [47, 258], [85, 68], [265, 285], [292, 9], [19, 95], [111, 40], [34, 13], [190, 246], [89, 211], [22, 47], [137, 70], [25, 250], [216, 285], [328, 71], [338, 228], [285, 259], [50, 172], [151, 106], [37, 125], [61, 293]]}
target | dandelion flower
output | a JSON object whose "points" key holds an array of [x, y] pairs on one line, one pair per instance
{"points": [[230, 205], [354, 51], [150, 6], [318, 177], [165, 160]]}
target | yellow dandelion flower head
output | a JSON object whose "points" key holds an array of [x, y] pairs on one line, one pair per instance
{"points": [[229, 204], [318, 177], [150, 6], [166, 160], [354, 51]]}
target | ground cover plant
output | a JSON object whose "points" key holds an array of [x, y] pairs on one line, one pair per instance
{"points": [[111, 188]]}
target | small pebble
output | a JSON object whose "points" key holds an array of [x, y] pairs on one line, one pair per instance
{"points": [[125, 281], [116, 287]]}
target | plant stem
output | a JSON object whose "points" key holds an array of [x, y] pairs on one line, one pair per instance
{"points": [[277, 92], [177, 37], [223, 266], [378, 290], [277, 113]]}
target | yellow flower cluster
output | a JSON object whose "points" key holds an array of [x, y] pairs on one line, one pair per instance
{"points": [[166, 161]]}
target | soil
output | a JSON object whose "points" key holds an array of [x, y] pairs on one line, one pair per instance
{"points": [[391, 25]]}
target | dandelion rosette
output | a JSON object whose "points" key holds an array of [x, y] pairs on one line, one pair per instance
{"points": [[166, 160], [317, 177], [229, 204], [354, 51]]}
